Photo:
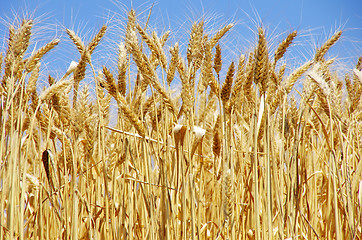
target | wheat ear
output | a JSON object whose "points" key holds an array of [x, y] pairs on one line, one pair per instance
{"points": [[283, 46], [57, 87], [76, 40], [195, 47], [216, 142], [122, 63], [226, 87], [97, 38], [9, 57], [22, 38], [173, 63], [290, 81], [215, 39], [261, 62], [34, 59], [160, 54], [164, 38], [207, 70], [217, 59], [110, 85], [326, 46]]}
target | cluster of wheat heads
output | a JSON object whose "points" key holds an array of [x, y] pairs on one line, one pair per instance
{"points": [[232, 157]]}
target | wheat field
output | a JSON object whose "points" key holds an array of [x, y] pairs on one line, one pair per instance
{"points": [[240, 152]]}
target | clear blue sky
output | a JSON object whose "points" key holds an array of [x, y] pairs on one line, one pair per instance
{"points": [[314, 19]]}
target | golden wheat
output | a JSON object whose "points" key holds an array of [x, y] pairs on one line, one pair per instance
{"points": [[246, 158]]}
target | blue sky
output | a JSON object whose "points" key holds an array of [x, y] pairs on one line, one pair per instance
{"points": [[315, 20]]}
